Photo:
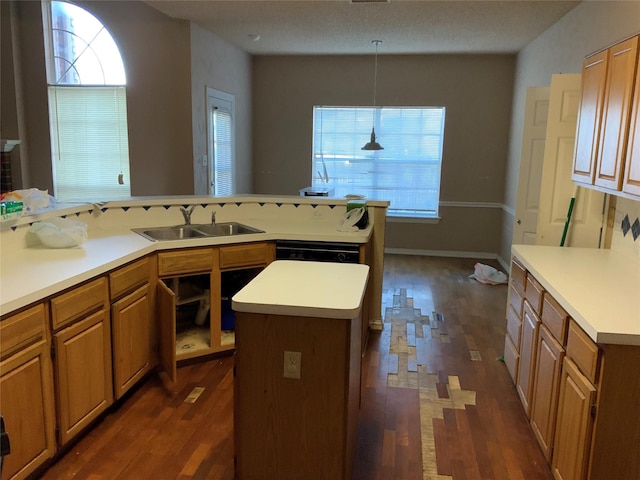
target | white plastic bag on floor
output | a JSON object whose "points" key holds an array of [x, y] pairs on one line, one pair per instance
{"points": [[488, 275]]}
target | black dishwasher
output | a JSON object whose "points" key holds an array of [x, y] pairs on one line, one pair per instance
{"points": [[340, 252]]}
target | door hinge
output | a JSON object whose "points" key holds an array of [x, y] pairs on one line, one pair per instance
{"points": [[53, 350], [593, 410]]}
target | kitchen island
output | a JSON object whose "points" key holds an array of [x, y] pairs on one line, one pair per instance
{"points": [[298, 371]]}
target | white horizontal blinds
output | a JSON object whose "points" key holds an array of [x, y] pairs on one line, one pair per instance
{"points": [[223, 151], [406, 172], [89, 142], [87, 106]]}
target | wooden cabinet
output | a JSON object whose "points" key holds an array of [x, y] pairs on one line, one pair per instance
{"points": [[574, 425], [546, 375], [189, 280], [631, 180], [247, 255], [131, 324], [513, 336], [546, 383], [528, 350], [594, 75], [188, 336], [609, 79], [26, 392], [82, 362]]}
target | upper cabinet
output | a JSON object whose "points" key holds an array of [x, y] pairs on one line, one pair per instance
{"points": [[631, 181], [609, 108]]}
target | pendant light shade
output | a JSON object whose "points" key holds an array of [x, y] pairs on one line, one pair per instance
{"points": [[373, 145]]}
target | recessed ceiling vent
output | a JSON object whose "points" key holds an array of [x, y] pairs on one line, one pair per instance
{"points": [[370, 1]]}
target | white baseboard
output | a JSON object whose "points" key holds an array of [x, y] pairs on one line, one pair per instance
{"points": [[505, 264]]}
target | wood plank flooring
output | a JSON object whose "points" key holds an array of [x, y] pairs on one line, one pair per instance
{"points": [[437, 403]]}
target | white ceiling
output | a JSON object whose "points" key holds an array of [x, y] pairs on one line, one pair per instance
{"points": [[346, 27]]}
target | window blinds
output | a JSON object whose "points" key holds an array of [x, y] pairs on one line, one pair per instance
{"points": [[406, 172], [90, 146]]}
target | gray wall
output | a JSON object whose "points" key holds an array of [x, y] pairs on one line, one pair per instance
{"points": [[169, 64], [591, 26], [476, 91], [218, 64]]}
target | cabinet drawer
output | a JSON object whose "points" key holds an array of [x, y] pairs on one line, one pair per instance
{"points": [[518, 275], [22, 329], [583, 351], [246, 254], [554, 317], [514, 325], [185, 261], [533, 292], [129, 277], [79, 302], [511, 358], [515, 301]]}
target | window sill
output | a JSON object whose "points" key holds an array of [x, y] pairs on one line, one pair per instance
{"points": [[411, 219]]}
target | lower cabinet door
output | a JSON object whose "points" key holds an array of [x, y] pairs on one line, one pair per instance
{"points": [[27, 406], [131, 324], [83, 373], [574, 425], [528, 350], [546, 384]]}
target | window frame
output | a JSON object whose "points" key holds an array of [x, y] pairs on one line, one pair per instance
{"points": [[425, 148]]}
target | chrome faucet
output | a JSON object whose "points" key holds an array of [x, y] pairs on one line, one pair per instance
{"points": [[213, 217], [186, 213]]}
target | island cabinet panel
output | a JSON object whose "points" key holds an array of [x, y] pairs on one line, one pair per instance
{"points": [[26, 392], [288, 428]]}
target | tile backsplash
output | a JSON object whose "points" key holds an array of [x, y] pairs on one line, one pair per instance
{"points": [[626, 229]]}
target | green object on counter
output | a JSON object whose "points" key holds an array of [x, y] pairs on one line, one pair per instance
{"points": [[11, 210]]}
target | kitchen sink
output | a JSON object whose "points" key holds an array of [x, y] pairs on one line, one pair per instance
{"points": [[183, 232], [225, 229]]}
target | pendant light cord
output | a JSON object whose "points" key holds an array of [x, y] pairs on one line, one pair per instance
{"points": [[375, 71]]}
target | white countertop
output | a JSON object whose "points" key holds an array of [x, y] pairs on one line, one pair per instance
{"points": [[28, 275], [600, 289], [307, 289]]}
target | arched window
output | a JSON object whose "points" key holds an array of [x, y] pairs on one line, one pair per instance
{"points": [[87, 106]]}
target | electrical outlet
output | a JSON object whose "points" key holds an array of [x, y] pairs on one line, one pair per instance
{"points": [[292, 362]]}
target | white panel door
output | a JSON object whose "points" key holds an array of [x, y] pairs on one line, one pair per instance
{"points": [[531, 159], [556, 188]]}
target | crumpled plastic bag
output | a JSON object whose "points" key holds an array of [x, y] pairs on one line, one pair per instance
{"points": [[34, 200], [60, 232], [488, 275]]}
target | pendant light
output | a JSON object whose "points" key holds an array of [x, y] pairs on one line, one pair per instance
{"points": [[373, 145]]}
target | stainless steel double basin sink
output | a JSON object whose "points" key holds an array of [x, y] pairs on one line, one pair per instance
{"points": [[184, 232]]}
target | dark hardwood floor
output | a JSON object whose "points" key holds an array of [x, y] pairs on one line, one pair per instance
{"points": [[437, 401]]}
